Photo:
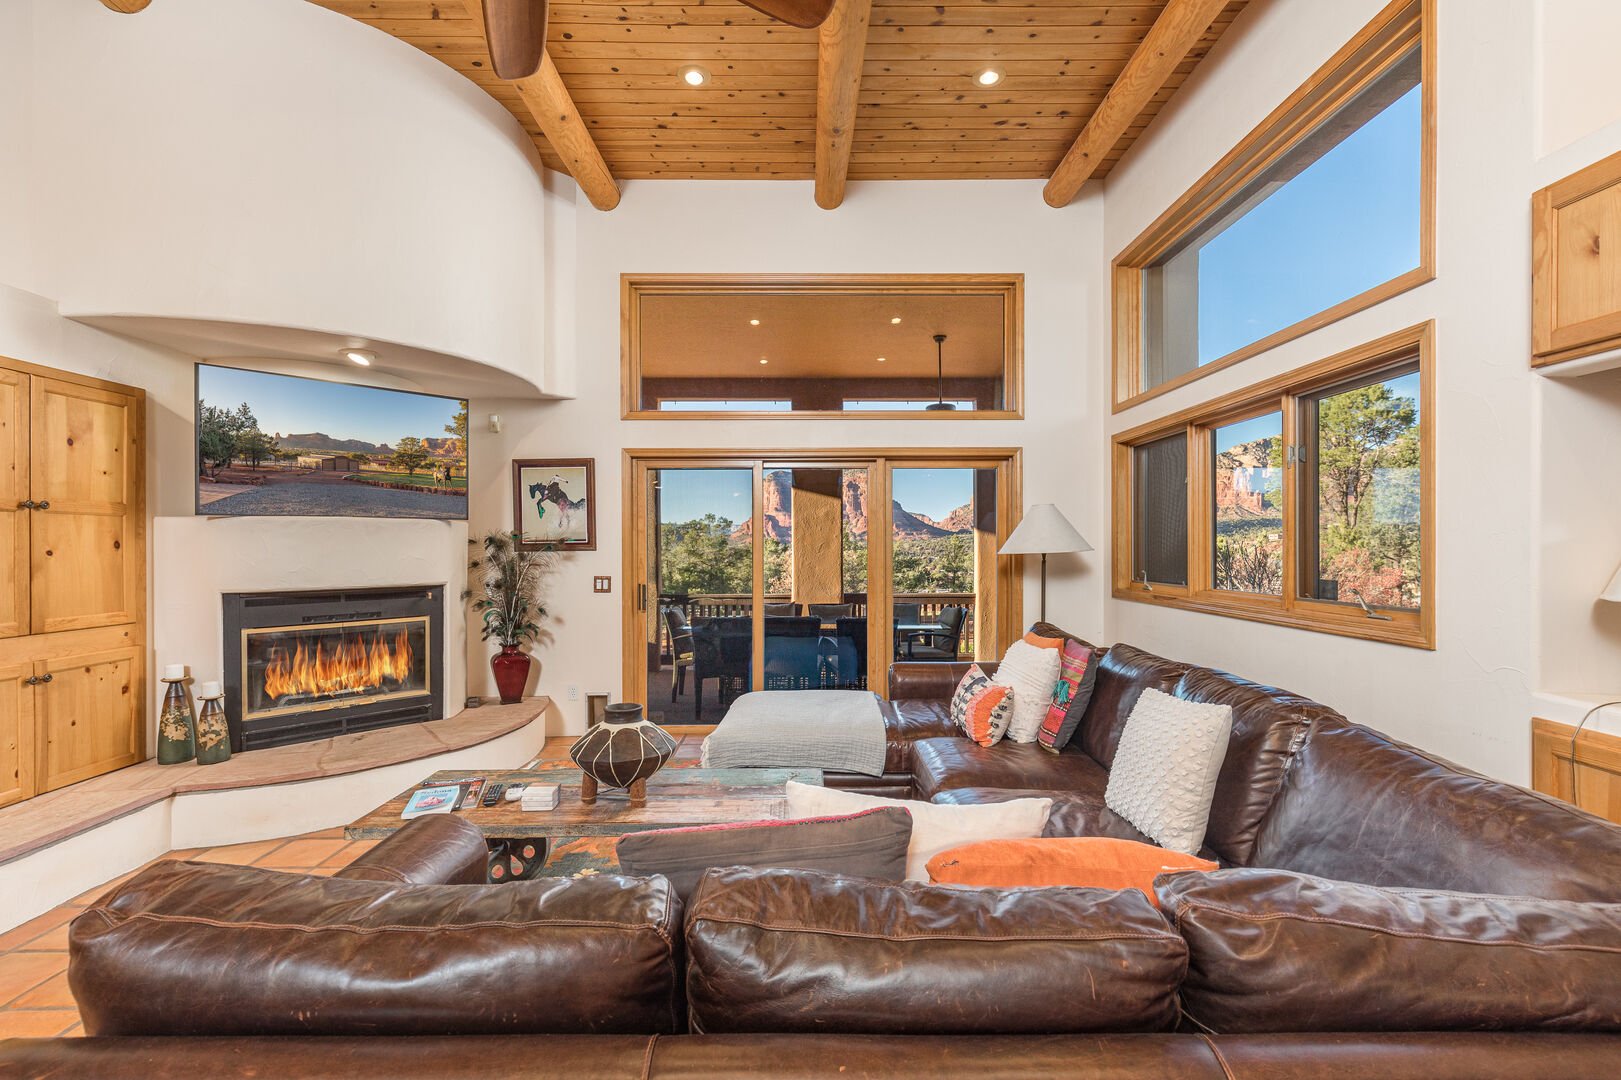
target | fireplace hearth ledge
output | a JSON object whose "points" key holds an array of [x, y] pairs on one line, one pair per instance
{"points": [[49, 852]]}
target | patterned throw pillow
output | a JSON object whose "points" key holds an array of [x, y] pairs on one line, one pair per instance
{"points": [[980, 709], [971, 683], [1077, 672]]}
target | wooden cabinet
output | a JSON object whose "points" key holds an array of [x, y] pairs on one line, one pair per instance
{"points": [[1576, 265], [17, 727], [88, 715], [72, 579]]}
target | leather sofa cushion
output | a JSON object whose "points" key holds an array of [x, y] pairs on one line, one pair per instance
{"points": [[1125, 673], [868, 843], [939, 764], [799, 951], [1269, 726], [1359, 806], [200, 949], [1274, 951], [905, 722], [441, 849]]}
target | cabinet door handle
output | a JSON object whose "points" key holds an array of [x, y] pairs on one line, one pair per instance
{"points": [[46, 677], [26, 504], [32, 680], [44, 504]]}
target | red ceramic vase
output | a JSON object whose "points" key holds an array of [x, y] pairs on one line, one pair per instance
{"points": [[511, 668]]}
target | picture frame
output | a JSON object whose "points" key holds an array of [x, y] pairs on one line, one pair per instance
{"points": [[554, 502]]}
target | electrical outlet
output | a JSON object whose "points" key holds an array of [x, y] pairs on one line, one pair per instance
{"points": [[573, 693]]}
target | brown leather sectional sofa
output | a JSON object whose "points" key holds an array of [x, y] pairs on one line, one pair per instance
{"points": [[401, 966]]}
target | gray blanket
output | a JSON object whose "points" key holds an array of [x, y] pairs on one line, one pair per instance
{"points": [[833, 730]]}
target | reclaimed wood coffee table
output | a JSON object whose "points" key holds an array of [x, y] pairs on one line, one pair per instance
{"points": [[676, 798]]}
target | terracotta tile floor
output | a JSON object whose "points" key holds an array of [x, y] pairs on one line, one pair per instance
{"points": [[34, 997]]}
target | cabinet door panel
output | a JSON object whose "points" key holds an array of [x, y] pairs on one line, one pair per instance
{"points": [[84, 455], [90, 716], [16, 734], [13, 490]]}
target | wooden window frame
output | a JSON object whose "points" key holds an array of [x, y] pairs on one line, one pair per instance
{"points": [[633, 287], [1285, 393], [1382, 43]]}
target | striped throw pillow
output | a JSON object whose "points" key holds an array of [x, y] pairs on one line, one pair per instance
{"points": [[980, 709]]}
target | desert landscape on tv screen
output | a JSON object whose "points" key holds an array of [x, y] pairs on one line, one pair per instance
{"points": [[283, 445]]}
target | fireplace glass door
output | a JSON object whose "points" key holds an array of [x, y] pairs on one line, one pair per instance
{"points": [[290, 669]]}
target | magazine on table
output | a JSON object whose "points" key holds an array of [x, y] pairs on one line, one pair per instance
{"points": [[432, 800]]}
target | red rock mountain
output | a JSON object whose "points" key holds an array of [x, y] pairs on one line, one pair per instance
{"points": [[779, 512]]}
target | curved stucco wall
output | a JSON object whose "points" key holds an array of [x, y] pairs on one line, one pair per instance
{"points": [[272, 162]]}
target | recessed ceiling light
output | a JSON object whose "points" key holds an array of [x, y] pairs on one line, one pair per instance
{"points": [[896, 321], [754, 322], [363, 357], [693, 75], [988, 77], [880, 359], [763, 360]]}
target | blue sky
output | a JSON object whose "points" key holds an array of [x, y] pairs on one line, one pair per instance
{"points": [[1349, 222], [686, 494], [283, 403]]}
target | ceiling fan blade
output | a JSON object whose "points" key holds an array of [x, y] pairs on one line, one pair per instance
{"points": [[807, 14], [516, 33]]}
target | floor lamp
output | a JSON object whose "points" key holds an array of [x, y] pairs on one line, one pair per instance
{"points": [[1044, 531]]}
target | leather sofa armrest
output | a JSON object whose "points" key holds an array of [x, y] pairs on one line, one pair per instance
{"points": [[920, 680], [442, 849]]}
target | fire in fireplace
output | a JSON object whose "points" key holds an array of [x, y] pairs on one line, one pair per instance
{"points": [[310, 665]]}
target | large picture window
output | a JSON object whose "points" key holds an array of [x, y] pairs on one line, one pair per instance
{"points": [[1305, 500], [1323, 210]]}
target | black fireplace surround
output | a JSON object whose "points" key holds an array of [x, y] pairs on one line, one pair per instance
{"points": [[310, 665]]}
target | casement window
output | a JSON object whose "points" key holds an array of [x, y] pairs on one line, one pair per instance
{"points": [[1324, 209], [1306, 500]]}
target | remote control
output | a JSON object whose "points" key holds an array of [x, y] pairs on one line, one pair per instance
{"points": [[492, 794]]}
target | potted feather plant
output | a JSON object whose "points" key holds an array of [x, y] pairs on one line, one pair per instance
{"points": [[508, 595]]}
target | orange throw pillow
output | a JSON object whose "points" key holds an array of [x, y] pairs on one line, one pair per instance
{"points": [[1099, 862], [1033, 638]]}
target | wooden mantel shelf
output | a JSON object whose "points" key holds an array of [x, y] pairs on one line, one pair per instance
{"points": [[40, 822]]}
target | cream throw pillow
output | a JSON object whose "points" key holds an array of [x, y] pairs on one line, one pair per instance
{"points": [[1164, 773], [935, 828], [1032, 673]]}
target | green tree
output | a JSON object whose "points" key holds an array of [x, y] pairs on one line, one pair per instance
{"points": [[255, 446], [409, 455], [702, 556], [219, 431], [457, 429]]}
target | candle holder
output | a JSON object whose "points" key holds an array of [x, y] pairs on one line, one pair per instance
{"points": [[177, 727], [213, 736]]}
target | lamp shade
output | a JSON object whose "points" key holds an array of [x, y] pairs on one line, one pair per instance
{"points": [[1044, 531], [1612, 591]]}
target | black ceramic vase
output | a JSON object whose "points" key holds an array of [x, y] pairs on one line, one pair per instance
{"points": [[621, 751]]}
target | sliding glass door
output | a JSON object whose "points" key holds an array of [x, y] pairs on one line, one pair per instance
{"points": [[810, 570]]}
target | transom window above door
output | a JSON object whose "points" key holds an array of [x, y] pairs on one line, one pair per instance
{"points": [[879, 346]]}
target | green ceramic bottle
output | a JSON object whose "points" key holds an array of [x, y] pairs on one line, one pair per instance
{"points": [[213, 737], [177, 733]]}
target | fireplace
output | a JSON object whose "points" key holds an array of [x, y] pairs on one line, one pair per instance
{"points": [[309, 665]]}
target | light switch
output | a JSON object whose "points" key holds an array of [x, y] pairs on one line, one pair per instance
{"points": [[602, 583]]}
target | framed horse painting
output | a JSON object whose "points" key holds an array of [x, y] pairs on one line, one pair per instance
{"points": [[554, 502]]}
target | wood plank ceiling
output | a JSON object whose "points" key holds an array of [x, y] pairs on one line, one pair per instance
{"points": [[920, 113]]}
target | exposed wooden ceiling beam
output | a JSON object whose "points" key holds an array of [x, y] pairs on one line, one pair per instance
{"points": [[549, 102], [128, 7], [841, 47], [1177, 30]]}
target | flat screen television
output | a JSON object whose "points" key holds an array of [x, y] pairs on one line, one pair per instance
{"points": [[287, 445]]}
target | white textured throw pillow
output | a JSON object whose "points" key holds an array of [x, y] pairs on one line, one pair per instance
{"points": [[1032, 673], [1165, 769], [935, 827]]}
